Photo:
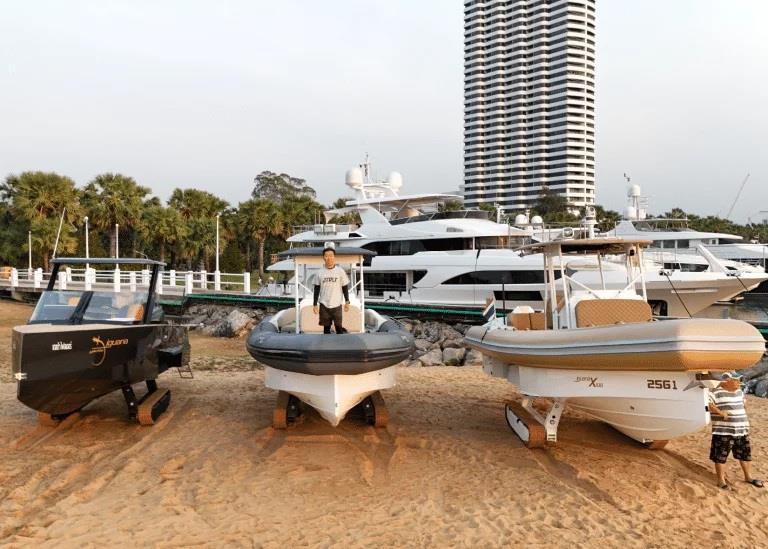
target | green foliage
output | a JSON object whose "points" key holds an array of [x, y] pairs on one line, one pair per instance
{"points": [[34, 202], [450, 206], [280, 187]]}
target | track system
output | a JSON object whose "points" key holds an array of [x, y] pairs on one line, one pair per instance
{"points": [[153, 405], [528, 428], [287, 410]]}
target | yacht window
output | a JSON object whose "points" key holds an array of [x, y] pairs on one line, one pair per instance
{"points": [[418, 275], [500, 277], [683, 244], [378, 283]]}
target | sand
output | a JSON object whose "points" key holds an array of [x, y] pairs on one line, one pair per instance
{"points": [[446, 472]]}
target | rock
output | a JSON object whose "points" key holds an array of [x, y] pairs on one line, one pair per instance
{"points": [[432, 358], [234, 324], [448, 333], [758, 370], [431, 331], [422, 344], [453, 356], [415, 364], [453, 343], [761, 388], [473, 357]]}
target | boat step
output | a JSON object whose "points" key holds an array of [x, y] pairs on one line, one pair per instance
{"points": [[152, 406]]}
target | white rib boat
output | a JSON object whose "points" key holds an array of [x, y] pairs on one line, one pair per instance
{"points": [[601, 352]]}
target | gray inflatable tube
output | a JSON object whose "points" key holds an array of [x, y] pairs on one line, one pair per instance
{"points": [[330, 354]]}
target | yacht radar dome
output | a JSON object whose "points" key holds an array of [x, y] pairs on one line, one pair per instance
{"points": [[354, 178], [395, 181], [634, 191], [521, 219], [630, 213], [537, 220]]}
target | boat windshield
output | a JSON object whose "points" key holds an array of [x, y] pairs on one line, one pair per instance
{"points": [[65, 306]]}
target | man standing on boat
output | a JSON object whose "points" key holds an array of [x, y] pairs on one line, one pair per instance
{"points": [[330, 285], [730, 430]]}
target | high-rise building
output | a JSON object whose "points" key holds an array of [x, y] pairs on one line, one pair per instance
{"points": [[529, 101]]}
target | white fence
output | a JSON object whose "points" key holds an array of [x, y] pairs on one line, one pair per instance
{"points": [[169, 282]]}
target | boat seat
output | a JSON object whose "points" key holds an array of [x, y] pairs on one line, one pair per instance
{"points": [[604, 312], [526, 321], [310, 322]]}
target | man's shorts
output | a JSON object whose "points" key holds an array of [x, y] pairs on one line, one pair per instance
{"points": [[722, 445], [328, 316]]}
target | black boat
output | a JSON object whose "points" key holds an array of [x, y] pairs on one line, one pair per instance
{"points": [[81, 345]]}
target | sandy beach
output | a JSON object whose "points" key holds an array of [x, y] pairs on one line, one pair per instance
{"points": [[447, 471]]}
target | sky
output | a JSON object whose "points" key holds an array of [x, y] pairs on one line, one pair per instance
{"points": [[209, 94]]}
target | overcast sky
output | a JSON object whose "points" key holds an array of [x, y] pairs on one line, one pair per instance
{"points": [[208, 94]]}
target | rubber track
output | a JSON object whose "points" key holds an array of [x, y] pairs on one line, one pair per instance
{"points": [[656, 444], [280, 413], [144, 412], [380, 411], [537, 436]]}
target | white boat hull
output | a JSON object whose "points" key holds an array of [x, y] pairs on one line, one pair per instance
{"points": [[331, 395], [644, 405]]}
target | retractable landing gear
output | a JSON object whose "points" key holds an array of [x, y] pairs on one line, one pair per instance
{"points": [[375, 410], [287, 410], [528, 424], [151, 406]]}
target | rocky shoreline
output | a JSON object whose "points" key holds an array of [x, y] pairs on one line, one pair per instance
{"points": [[437, 343]]}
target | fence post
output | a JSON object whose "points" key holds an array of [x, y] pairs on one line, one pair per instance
{"points": [[38, 277], [87, 280], [14, 277], [145, 277], [116, 280], [132, 280], [159, 283], [172, 277], [217, 281], [204, 279], [62, 280], [247, 283], [188, 281], [68, 272]]}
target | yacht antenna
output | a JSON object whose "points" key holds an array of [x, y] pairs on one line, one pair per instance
{"points": [[738, 194]]}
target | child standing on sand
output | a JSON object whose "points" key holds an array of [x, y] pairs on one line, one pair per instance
{"points": [[730, 430]]}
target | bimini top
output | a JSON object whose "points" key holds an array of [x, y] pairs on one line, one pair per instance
{"points": [[317, 251], [610, 245], [105, 261]]}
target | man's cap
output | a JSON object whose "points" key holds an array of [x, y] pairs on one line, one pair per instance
{"points": [[725, 376], [329, 246]]}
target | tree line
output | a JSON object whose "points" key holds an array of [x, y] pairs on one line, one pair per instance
{"points": [[182, 231], [120, 212]]}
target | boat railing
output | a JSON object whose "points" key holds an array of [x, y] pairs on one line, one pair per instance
{"points": [[325, 228], [433, 216]]}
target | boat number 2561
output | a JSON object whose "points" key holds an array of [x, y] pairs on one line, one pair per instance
{"points": [[662, 384]]}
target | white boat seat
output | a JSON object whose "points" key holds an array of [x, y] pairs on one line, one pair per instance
{"points": [[604, 312], [310, 322]]}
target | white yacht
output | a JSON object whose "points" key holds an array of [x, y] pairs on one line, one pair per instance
{"points": [[672, 238], [429, 255]]}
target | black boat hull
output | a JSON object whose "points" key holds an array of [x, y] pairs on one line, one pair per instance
{"points": [[60, 369]]}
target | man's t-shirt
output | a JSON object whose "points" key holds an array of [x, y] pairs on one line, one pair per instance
{"points": [[736, 424], [331, 282]]}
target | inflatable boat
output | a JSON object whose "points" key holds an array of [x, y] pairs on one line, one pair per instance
{"points": [[332, 373], [602, 352]]}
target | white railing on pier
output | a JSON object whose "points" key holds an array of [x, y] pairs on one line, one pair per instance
{"points": [[172, 282]]}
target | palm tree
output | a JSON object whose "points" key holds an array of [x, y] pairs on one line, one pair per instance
{"points": [[260, 219], [112, 199], [198, 209], [162, 228], [35, 201]]}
